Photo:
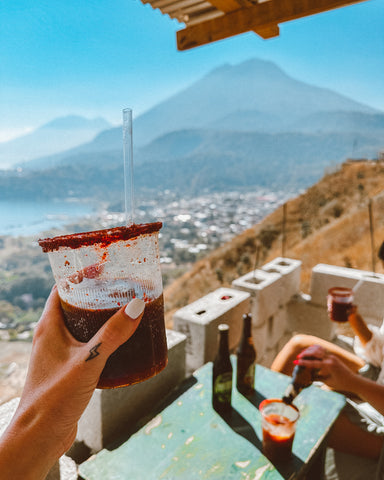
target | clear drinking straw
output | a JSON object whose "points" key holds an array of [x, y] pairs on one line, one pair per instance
{"points": [[128, 166], [372, 235]]}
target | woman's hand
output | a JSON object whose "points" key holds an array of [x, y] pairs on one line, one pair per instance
{"points": [[329, 368], [62, 376], [337, 375]]}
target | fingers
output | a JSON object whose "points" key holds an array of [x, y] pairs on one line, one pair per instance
{"points": [[53, 302], [52, 318], [313, 352], [117, 330], [309, 363]]}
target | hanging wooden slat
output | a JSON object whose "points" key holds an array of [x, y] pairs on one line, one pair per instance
{"points": [[264, 15], [204, 16], [182, 5]]}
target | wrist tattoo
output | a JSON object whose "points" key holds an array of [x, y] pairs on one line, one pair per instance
{"points": [[93, 352]]}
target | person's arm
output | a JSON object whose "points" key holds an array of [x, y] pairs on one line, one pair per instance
{"points": [[359, 326], [336, 374], [369, 391], [62, 375]]}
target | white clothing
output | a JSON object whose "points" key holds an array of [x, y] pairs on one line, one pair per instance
{"points": [[373, 352]]}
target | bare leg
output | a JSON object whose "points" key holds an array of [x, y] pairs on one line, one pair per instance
{"points": [[284, 359], [347, 437]]}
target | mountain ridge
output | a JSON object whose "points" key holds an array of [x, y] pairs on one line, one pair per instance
{"points": [[54, 136], [239, 125]]}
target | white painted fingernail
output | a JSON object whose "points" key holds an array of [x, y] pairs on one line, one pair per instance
{"points": [[134, 308]]}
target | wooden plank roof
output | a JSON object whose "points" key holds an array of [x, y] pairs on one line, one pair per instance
{"points": [[211, 20]]}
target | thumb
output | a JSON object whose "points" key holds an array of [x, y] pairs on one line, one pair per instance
{"points": [[117, 330]]}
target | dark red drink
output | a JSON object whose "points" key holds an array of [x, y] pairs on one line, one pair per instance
{"points": [[278, 421], [99, 272], [141, 357], [339, 303], [278, 447]]}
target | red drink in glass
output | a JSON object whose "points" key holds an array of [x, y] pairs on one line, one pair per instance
{"points": [[339, 302], [99, 272], [279, 427], [277, 446]]}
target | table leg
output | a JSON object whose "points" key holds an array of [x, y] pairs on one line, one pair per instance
{"points": [[316, 470]]}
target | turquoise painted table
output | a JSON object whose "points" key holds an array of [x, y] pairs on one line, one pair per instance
{"points": [[188, 440]]}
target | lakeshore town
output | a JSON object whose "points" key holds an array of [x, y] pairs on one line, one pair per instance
{"points": [[192, 227]]}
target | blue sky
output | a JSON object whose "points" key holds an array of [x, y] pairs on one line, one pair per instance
{"points": [[96, 57]]}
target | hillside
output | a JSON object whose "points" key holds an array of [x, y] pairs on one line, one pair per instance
{"points": [[329, 223]]}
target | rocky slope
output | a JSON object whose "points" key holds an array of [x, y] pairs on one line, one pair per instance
{"points": [[328, 223]]}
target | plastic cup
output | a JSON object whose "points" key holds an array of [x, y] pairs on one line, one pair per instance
{"points": [[339, 302], [278, 421], [99, 272]]}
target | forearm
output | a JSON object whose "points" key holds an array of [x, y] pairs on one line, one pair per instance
{"points": [[369, 391], [26, 450], [360, 328]]}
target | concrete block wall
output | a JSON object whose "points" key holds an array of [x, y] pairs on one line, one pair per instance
{"points": [[199, 321], [304, 316], [113, 412], [271, 289], [266, 292], [290, 271]]}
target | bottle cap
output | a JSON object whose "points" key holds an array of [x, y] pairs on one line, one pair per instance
{"points": [[223, 327]]}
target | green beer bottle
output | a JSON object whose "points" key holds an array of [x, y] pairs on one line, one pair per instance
{"points": [[222, 374], [246, 359]]}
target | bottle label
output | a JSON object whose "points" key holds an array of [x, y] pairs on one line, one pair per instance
{"points": [[249, 377], [222, 388]]}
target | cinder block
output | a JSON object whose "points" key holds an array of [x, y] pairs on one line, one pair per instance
{"points": [[260, 339], [306, 317], [266, 289], [112, 413], [283, 340], [267, 337], [268, 357], [277, 326], [7, 411], [199, 321], [64, 469], [290, 271], [369, 297]]}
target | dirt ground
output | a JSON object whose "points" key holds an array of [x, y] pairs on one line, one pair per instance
{"points": [[14, 358]]}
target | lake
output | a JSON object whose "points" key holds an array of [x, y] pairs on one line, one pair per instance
{"points": [[30, 218]]}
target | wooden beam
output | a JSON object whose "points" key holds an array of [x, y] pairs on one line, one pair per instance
{"points": [[263, 15], [226, 5], [270, 31]]}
